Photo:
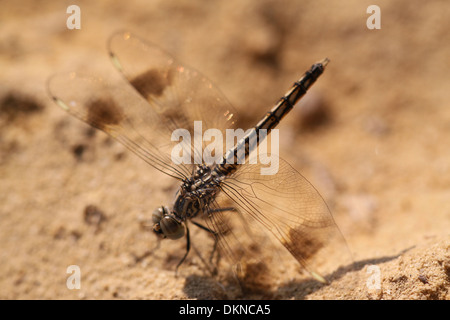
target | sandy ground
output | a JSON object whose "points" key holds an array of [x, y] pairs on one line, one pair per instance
{"points": [[375, 144]]}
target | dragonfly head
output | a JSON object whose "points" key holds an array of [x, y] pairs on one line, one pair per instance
{"points": [[166, 224]]}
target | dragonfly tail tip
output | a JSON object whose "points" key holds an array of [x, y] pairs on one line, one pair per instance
{"points": [[324, 62]]}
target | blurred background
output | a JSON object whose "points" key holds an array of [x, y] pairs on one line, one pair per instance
{"points": [[372, 136]]}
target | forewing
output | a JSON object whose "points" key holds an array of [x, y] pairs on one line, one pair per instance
{"points": [[179, 95], [121, 113], [167, 97]]}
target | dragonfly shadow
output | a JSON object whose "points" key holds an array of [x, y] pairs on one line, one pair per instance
{"points": [[300, 289], [207, 288]]}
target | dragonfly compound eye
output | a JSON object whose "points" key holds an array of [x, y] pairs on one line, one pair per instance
{"points": [[171, 228], [157, 215]]}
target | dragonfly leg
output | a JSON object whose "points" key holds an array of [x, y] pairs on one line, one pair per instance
{"points": [[188, 247], [214, 233], [216, 237]]}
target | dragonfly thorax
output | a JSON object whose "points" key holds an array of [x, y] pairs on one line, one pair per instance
{"points": [[194, 196]]}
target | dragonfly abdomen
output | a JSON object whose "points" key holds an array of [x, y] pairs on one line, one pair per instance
{"points": [[243, 148], [287, 102]]}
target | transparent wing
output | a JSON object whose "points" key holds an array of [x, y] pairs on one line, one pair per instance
{"points": [[167, 97], [178, 94], [289, 208], [121, 113]]}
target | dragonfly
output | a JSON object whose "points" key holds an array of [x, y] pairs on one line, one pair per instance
{"points": [[160, 95]]}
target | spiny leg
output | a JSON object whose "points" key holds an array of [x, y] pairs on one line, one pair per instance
{"points": [[214, 233], [188, 247]]}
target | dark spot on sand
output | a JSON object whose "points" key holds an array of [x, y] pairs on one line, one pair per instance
{"points": [[93, 216], [78, 151], [14, 105]]}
